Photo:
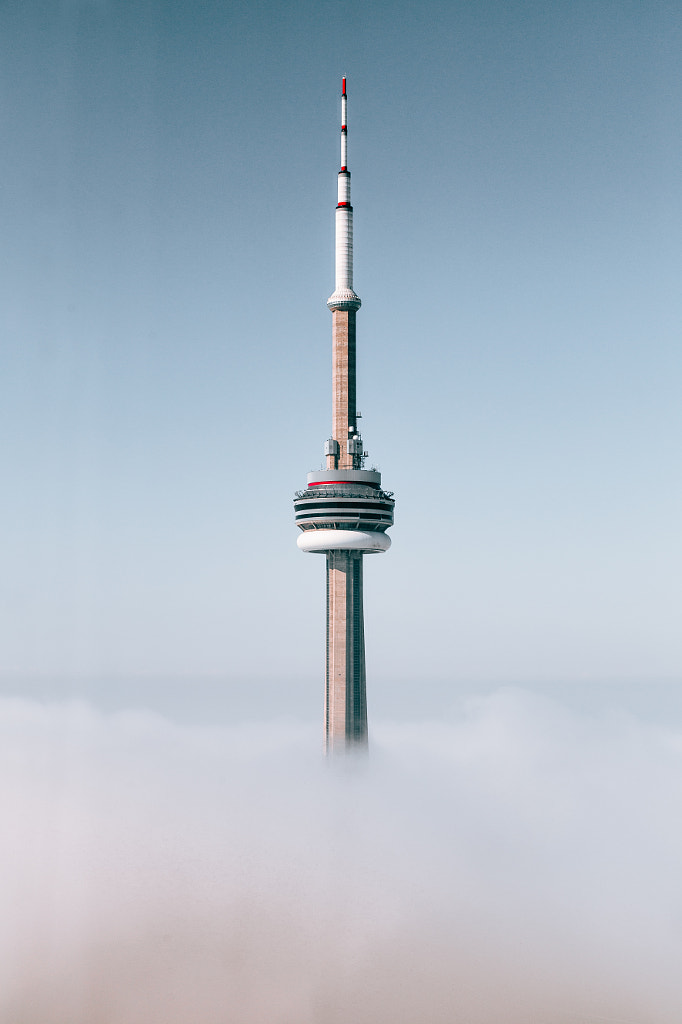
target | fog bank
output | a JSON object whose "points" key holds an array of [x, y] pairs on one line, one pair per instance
{"points": [[517, 863]]}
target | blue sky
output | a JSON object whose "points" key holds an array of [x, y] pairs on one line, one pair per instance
{"points": [[169, 176]]}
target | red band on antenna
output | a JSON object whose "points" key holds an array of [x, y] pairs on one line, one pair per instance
{"points": [[343, 90]]}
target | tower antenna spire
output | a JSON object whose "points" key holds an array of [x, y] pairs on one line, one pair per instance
{"points": [[344, 126], [344, 513], [344, 297]]}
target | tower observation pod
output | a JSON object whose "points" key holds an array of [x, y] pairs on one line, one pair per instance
{"points": [[343, 513]]}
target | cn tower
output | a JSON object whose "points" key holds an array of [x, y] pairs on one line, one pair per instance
{"points": [[343, 513]]}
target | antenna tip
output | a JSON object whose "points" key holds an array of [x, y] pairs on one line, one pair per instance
{"points": [[343, 88]]}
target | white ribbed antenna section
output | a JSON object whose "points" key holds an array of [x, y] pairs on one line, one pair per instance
{"points": [[344, 297]]}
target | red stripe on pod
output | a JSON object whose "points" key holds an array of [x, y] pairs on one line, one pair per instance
{"points": [[331, 483]]}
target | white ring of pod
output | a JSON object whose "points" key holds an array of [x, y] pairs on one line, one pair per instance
{"points": [[369, 542]]}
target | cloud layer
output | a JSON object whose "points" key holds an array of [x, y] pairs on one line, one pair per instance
{"points": [[516, 864]]}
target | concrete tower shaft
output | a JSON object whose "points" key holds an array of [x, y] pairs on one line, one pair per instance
{"points": [[344, 407], [345, 710]]}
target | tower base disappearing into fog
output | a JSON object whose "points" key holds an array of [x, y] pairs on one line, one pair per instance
{"points": [[344, 513], [345, 712]]}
